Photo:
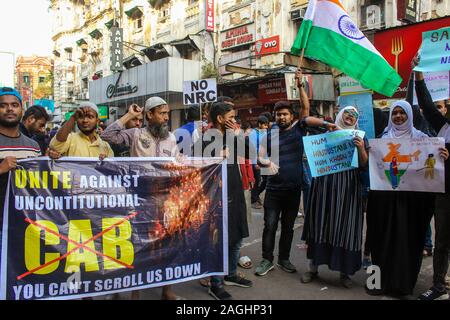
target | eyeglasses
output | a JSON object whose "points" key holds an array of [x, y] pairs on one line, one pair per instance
{"points": [[352, 113]]}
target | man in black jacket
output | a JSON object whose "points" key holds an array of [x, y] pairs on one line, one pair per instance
{"points": [[441, 125], [223, 141]]}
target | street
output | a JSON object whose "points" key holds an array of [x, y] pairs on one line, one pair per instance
{"points": [[280, 285]]}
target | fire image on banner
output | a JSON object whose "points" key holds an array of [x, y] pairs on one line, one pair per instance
{"points": [[78, 227], [406, 165]]}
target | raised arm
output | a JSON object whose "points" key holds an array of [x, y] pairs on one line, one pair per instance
{"points": [[431, 113], [116, 132], [304, 100], [67, 128], [61, 141], [316, 122]]}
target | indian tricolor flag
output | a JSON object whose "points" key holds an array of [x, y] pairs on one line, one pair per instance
{"points": [[328, 34]]}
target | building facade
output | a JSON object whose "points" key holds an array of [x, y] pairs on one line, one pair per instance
{"points": [[152, 30], [245, 44], [34, 78], [8, 66]]}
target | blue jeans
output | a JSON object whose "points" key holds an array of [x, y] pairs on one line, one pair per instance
{"points": [[233, 258]]}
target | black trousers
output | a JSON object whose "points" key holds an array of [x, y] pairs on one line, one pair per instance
{"points": [[279, 205], [442, 240], [260, 184]]}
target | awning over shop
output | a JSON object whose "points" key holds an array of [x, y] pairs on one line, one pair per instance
{"points": [[163, 50], [96, 34], [186, 42], [156, 52], [135, 12], [111, 23], [131, 62], [81, 42]]}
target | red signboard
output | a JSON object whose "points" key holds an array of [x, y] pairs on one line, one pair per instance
{"points": [[238, 36], [272, 91], [210, 15], [399, 45], [267, 46]]}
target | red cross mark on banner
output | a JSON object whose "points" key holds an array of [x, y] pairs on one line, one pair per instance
{"points": [[78, 245]]}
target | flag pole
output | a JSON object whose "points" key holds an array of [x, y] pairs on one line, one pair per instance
{"points": [[300, 60]]}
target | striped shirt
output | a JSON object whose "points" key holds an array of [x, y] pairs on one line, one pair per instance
{"points": [[20, 147]]}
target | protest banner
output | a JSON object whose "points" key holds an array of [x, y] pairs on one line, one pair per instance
{"points": [[332, 152], [406, 165], [435, 51], [199, 91], [438, 84], [362, 102], [78, 227]]}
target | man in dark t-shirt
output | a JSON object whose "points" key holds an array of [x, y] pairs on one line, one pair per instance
{"points": [[281, 154]]}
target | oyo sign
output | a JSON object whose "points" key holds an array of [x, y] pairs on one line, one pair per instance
{"points": [[267, 46]]}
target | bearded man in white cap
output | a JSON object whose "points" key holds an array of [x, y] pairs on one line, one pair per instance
{"points": [[154, 140], [86, 143]]}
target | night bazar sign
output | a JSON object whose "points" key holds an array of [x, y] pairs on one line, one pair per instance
{"points": [[238, 36], [114, 90]]}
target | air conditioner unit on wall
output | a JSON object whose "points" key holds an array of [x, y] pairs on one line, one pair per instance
{"points": [[298, 14], [164, 13]]}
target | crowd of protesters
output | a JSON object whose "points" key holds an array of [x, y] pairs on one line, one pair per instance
{"points": [[398, 223]]}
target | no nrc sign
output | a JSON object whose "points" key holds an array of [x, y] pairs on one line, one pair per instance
{"points": [[238, 36], [199, 91]]}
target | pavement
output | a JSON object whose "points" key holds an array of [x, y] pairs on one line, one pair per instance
{"points": [[280, 285]]}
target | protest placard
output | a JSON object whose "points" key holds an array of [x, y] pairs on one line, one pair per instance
{"points": [[332, 152], [362, 102], [79, 227], [438, 84], [199, 91], [406, 165], [435, 51]]}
